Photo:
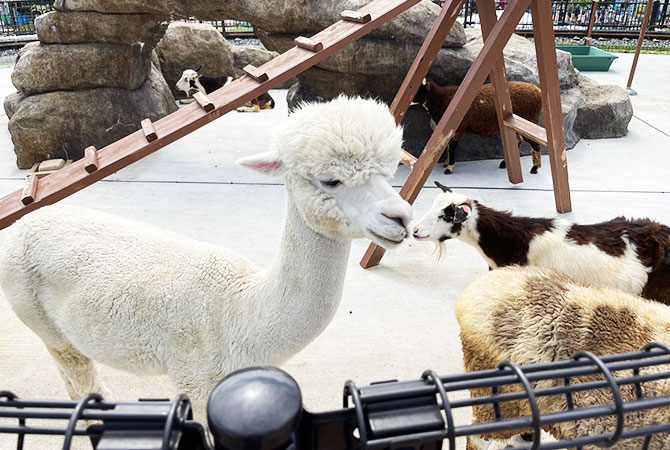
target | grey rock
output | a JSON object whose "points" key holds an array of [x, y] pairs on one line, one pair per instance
{"points": [[155, 61], [605, 112], [44, 68], [11, 103], [256, 56], [521, 61], [119, 6], [88, 27], [61, 124], [189, 45]]}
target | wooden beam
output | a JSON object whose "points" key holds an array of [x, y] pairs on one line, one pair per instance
{"points": [[408, 159], [256, 73], [149, 130], [643, 30], [427, 53], [29, 192], [134, 147], [547, 67], [308, 44], [90, 159], [527, 129], [503, 103], [594, 9], [457, 108], [355, 16], [204, 102]]}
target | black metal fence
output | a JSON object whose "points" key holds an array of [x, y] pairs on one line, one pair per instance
{"points": [[17, 17], [612, 18]]}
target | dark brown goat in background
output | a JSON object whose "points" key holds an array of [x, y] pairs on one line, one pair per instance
{"points": [[481, 118]]}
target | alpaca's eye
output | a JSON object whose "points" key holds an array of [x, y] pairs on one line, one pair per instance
{"points": [[331, 183]]}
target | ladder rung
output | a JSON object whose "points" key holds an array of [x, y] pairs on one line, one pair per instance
{"points": [[149, 130], [203, 101], [91, 159], [29, 190], [355, 16], [308, 44], [527, 129], [408, 159], [255, 73]]}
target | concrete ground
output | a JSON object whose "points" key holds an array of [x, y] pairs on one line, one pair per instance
{"points": [[395, 320]]}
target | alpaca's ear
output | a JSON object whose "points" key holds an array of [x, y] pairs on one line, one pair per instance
{"points": [[267, 163], [443, 187]]}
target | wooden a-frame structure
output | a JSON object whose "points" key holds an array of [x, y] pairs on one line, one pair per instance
{"points": [[98, 164]]}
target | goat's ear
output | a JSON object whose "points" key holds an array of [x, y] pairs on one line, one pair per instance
{"points": [[198, 70], [461, 213], [267, 163], [443, 187]]}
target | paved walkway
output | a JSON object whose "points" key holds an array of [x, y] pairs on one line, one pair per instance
{"points": [[395, 320]]}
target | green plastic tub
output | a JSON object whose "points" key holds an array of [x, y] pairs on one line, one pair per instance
{"points": [[588, 58]]}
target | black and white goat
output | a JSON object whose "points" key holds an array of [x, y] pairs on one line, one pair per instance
{"points": [[193, 81], [631, 255]]}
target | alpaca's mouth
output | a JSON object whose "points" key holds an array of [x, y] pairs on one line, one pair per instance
{"points": [[384, 239]]}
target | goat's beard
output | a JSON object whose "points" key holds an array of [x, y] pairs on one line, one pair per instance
{"points": [[439, 250]]}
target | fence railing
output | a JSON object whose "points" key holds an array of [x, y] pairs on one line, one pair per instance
{"points": [[17, 17]]}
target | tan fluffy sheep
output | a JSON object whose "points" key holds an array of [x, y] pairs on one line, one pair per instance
{"points": [[532, 315]]}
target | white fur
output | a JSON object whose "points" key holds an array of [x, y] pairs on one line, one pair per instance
{"points": [[585, 263], [98, 287], [184, 82]]}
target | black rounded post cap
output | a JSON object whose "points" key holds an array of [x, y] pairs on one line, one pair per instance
{"points": [[254, 408]]}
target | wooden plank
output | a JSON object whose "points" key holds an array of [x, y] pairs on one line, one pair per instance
{"points": [[457, 109], [308, 44], [149, 130], [424, 58], [134, 147], [355, 16], [90, 159], [255, 73], [545, 48], [204, 102], [594, 9], [29, 192], [503, 103], [640, 39], [408, 159], [527, 129]]}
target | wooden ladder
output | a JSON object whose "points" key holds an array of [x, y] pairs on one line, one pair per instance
{"points": [[496, 34], [97, 164]]}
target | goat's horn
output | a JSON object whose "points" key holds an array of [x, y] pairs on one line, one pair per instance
{"points": [[443, 187]]}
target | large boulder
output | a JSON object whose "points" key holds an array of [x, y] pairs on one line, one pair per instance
{"points": [[89, 27], [278, 16], [255, 55], [605, 112], [521, 61], [190, 45], [62, 124], [44, 68]]}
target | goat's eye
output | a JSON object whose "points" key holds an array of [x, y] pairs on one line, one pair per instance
{"points": [[331, 183]]}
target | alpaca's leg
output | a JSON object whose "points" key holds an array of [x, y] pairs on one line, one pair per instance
{"points": [[450, 161], [537, 156], [77, 371], [196, 378]]}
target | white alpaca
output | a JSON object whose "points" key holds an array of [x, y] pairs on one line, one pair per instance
{"points": [[98, 287]]}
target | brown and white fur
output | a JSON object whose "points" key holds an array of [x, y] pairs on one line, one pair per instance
{"points": [[481, 118], [631, 255], [532, 315]]}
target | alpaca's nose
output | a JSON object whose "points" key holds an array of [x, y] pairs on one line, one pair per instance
{"points": [[397, 219]]}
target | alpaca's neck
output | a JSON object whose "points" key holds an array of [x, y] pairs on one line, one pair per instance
{"points": [[303, 287]]}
